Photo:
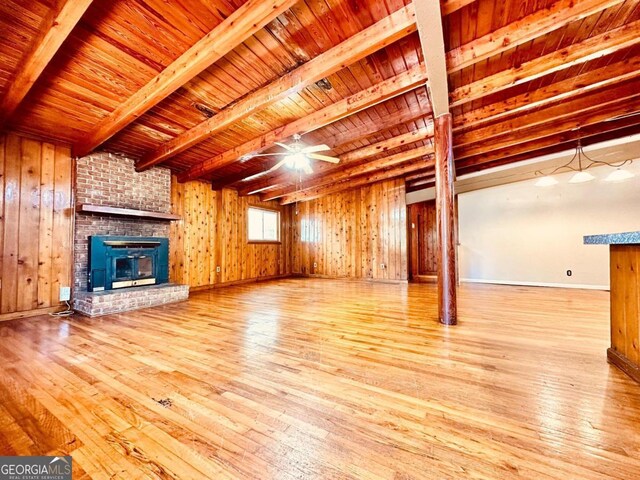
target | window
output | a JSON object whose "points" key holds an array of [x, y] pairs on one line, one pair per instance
{"points": [[264, 225]]}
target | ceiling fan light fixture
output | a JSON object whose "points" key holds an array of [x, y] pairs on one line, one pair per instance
{"points": [[297, 161], [546, 181], [619, 175], [581, 177]]}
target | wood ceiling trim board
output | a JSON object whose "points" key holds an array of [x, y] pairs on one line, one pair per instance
{"points": [[332, 113], [341, 174], [589, 81], [425, 164], [231, 32], [386, 31], [521, 31], [597, 115], [383, 146], [271, 49], [590, 49], [53, 31]]}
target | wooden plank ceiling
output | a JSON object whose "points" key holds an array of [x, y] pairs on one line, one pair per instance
{"points": [[201, 86]]}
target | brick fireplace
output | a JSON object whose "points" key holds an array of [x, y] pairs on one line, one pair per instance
{"points": [[108, 180]]}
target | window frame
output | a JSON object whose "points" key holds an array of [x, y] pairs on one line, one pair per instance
{"points": [[279, 221]]}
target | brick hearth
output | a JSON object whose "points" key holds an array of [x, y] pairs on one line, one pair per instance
{"points": [[94, 304]]}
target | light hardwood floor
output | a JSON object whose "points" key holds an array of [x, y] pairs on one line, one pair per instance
{"points": [[299, 379]]}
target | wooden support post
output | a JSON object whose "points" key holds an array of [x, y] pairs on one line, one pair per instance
{"points": [[445, 212]]}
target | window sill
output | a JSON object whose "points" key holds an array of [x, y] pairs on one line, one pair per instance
{"points": [[265, 242]]}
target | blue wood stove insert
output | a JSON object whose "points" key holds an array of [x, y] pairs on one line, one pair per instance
{"points": [[121, 262]]}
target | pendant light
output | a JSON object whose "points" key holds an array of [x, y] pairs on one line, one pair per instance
{"points": [[546, 181], [579, 163], [619, 175], [581, 177]]}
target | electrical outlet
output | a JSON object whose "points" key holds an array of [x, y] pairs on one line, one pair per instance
{"points": [[218, 269], [65, 294], [315, 265]]}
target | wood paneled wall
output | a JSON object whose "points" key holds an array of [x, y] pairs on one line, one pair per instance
{"points": [[353, 234], [36, 224], [213, 233]]}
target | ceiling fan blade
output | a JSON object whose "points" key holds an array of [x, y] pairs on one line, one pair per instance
{"points": [[324, 158], [308, 169], [316, 148], [277, 165], [285, 146], [257, 175], [268, 154]]}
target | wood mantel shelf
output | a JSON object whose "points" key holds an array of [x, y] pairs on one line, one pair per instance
{"points": [[126, 212]]}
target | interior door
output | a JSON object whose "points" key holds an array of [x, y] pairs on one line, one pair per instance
{"points": [[422, 240]]}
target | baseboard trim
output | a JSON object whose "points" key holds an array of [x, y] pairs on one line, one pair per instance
{"points": [[30, 313], [424, 279], [351, 279], [536, 284], [624, 364], [239, 282]]}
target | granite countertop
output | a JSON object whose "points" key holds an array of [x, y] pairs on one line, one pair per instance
{"points": [[627, 238]]}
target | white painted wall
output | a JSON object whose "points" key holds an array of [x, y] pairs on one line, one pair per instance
{"points": [[523, 234]]}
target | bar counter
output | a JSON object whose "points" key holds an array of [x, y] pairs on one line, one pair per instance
{"points": [[624, 264]]}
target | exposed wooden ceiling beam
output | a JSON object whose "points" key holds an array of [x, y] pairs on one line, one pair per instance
{"points": [[421, 184], [556, 143], [53, 31], [393, 119], [366, 98], [543, 136], [415, 176], [559, 142], [349, 172], [590, 116], [383, 33], [554, 113], [589, 49], [429, 19], [567, 89], [286, 177], [450, 6], [521, 31], [231, 32], [426, 164], [389, 144]]}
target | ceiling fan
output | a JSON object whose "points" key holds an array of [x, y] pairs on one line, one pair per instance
{"points": [[298, 154]]}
